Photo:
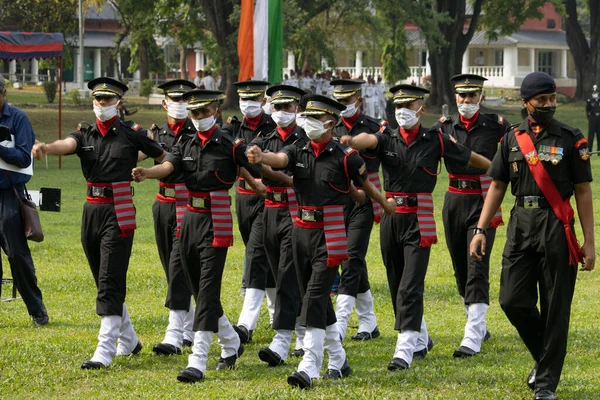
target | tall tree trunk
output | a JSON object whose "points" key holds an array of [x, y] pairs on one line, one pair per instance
{"points": [[585, 55], [143, 57], [183, 62]]}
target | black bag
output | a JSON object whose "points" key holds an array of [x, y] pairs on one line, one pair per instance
{"points": [[32, 227]]}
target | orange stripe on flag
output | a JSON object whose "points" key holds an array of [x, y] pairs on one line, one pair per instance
{"points": [[246, 41]]}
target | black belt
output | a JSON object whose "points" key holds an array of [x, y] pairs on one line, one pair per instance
{"points": [[532, 202], [277, 196], [465, 183], [310, 215], [199, 202], [406, 201], [102, 191], [166, 191]]}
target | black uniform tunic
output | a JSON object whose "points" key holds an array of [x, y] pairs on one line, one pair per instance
{"points": [[277, 237], [249, 208], [355, 278], [592, 108], [461, 211], [536, 251], [319, 181], [105, 160], [206, 168], [410, 169], [165, 226]]}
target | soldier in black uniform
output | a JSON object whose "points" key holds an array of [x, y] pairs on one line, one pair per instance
{"points": [[410, 158], [322, 171], [467, 188], [209, 160], [108, 151], [280, 209], [168, 211], [546, 162], [258, 278], [592, 111], [354, 286]]}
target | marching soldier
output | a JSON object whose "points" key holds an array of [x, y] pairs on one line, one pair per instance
{"points": [[108, 151], [322, 171], [209, 160], [168, 211], [410, 158], [467, 188], [249, 206], [592, 111], [546, 162], [280, 210], [354, 289]]}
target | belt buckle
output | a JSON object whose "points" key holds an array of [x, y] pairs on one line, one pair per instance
{"points": [[531, 202], [199, 202], [308, 215], [277, 196], [401, 200], [97, 191], [169, 192], [464, 184]]}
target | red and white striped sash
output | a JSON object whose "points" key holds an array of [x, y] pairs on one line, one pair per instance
{"points": [[486, 181], [335, 235], [377, 208], [123, 202]]}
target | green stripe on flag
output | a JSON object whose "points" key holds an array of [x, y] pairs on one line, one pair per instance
{"points": [[275, 41]]}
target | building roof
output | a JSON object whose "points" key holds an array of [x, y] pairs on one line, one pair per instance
{"points": [[97, 39], [106, 13], [557, 38]]}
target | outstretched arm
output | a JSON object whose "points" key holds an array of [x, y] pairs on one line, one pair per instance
{"points": [[56, 148], [360, 141], [156, 172], [274, 160]]}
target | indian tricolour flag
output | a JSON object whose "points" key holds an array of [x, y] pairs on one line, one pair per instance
{"points": [[260, 40]]}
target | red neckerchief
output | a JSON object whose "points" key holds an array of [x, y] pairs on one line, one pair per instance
{"points": [[205, 136], [410, 135], [469, 122], [349, 122], [318, 147], [103, 127], [253, 122], [176, 127], [535, 127], [285, 132]]}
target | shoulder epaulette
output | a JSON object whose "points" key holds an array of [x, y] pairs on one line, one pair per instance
{"points": [[349, 150], [83, 126], [233, 119]]}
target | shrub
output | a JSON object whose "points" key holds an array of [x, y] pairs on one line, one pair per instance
{"points": [[75, 96], [147, 88], [50, 90]]}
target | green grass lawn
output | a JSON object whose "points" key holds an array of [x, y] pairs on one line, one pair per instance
{"points": [[45, 362]]}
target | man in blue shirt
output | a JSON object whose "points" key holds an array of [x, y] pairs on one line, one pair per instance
{"points": [[15, 127]]}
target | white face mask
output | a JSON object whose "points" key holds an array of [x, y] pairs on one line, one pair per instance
{"points": [[468, 110], [300, 120], [595, 95], [406, 117], [268, 108], [204, 124], [250, 108], [283, 118], [315, 128], [105, 113], [177, 110], [350, 110]]}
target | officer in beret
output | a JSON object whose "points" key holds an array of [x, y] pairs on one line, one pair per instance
{"points": [[172, 196], [249, 205], [354, 289], [322, 171], [108, 151], [592, 111], [411, 158], [546, 162], [463, 202]]}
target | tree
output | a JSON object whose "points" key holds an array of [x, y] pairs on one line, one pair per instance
{"points": [[394, 58], [586, 55]]}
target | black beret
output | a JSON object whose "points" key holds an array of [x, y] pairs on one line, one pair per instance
{"points": [[177, 87], [317, 105], [107, 87], [537, 83]]}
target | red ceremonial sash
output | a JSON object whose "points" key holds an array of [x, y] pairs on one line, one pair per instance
{"points": [[377, 208], [291, 204], [220, 212], [122, 201], [562, 208], [424, 211], [485, 182]]}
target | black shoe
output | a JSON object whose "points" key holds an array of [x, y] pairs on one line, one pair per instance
{"points": [[396, 364], [419, 355], [487, 336], [366, 335], [243, 333], [297, 353], [463, 352], [40, 320], [300, 379], [138, 347], [187, 343], [166, 349], [544, 394], [531, 377], [92, 365], [190, 375], [229, 362], [269, 356], [335, 374]]}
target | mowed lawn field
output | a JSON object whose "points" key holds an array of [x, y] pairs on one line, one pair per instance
{"points": [[45, 362]]}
